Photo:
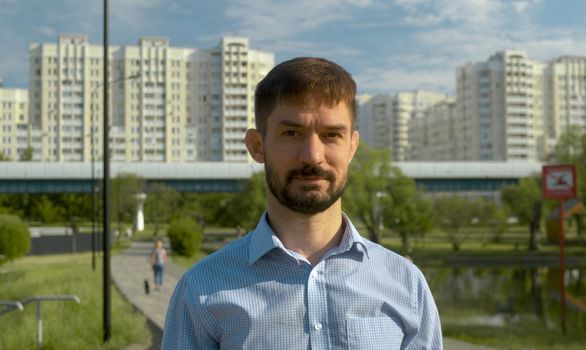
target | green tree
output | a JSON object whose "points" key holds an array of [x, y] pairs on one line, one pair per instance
{"points": [[368, 177], [524, 201], [245, 208], [206, 208], [15, 238], [185, 236], [498, 224], [161, 204], [409, 212], [452, 214], [27, 154], [46, 211], [4, 157]]}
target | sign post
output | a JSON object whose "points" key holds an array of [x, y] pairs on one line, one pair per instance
{"points": [[559, 182]]}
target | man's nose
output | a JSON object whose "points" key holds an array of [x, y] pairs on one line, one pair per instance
{"points": [[312, 151]]}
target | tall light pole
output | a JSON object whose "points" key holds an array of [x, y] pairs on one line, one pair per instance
{"points": [[106, 192]]}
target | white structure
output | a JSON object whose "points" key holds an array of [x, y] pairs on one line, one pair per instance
{"points": [[14, 128], [139, 217], [180, 104], [384, 119]]}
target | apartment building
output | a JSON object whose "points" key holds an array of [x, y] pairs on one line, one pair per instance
{"points": [[565, 97], [499, 103], [437, 135], [384, 119], [166, 104], [14, 126]]}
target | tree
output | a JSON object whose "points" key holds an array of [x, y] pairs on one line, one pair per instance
{"points": [[206, 208], [368, 175], [247, 206], [15, 238], [4, 157], [46, 211], [452, 214], [524, 201], [408, 212], [161, 204], [27, 154], [185, 236]]}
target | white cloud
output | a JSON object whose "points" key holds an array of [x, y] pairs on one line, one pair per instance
{"points": [[47, 31], [405, 79], [269, 20]]}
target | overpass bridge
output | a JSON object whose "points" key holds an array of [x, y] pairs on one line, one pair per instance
{"points": [[480, 178]]}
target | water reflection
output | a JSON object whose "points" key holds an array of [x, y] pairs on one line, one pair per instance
{"points": [[508, 297]]}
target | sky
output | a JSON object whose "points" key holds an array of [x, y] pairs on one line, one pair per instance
{"points": [[387, 45]]}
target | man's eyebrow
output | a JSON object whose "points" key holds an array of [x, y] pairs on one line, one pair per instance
{"points": [[334, 127]]}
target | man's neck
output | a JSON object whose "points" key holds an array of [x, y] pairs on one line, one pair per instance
{"points": [[309, 235]]}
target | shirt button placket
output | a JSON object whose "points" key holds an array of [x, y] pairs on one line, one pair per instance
{"points": [[317, 308]]}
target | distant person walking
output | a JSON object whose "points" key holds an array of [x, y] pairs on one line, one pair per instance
{"points": [[158, 261]]}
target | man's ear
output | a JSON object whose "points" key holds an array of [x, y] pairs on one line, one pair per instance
{"points": [[254, 144], [354, 142]]}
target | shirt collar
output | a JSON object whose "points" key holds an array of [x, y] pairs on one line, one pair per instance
{"points": [[263, 239]]}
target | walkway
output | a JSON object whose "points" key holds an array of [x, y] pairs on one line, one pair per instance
{"points": [[132, 267]]}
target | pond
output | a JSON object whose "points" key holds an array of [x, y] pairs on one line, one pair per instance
{"points": [[510, 308]]}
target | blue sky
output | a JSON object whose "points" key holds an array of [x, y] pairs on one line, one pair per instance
{"points": [[388, 46]]}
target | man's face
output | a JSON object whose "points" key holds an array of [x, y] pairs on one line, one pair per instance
{"points": [[307, 150]]}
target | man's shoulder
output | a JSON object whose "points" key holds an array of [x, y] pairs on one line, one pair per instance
{"points": [[393, 262], [232, 256]]}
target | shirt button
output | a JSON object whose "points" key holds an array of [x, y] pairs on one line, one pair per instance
{"points": [[317, 326], [314, 274]]}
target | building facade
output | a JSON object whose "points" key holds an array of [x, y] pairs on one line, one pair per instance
{"points": [[565, 92], [384, 119], [166, 104], [507, 108], [14, 126]]}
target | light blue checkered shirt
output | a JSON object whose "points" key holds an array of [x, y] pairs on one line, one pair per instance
{"points": [[256, 294]]}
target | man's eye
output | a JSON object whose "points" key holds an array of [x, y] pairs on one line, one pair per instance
{"points": [[333, 135], [290, 133]]}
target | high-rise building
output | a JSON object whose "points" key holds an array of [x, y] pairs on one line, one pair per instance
{"points": [[166, 104], [565, 96], [437, 135], [14, 126], [385, 119], [499, 103]]}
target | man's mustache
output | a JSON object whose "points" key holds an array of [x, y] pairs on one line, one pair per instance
{"points": [[311, 171]]}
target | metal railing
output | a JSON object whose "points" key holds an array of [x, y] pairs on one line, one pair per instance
{"points": [[19, 305]]}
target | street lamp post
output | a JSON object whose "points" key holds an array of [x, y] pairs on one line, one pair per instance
{"points": [[106, 194], [107, 311]]}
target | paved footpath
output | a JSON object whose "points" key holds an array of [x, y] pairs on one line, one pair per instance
{"points": [[132, 267]]}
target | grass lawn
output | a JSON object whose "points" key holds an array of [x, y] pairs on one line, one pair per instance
{"points": [[529, 334], [66, 325]]}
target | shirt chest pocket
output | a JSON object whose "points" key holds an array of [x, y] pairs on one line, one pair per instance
{"points": [[373, 333]]}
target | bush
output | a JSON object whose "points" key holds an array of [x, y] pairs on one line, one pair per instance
{"points": [[15, 240], [185, 236]]}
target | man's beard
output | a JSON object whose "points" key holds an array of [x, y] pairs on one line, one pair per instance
{"points": [[307, 200]]}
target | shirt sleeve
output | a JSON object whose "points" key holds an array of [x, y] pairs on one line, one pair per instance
{"points": [[183, 326], [428, 334]]}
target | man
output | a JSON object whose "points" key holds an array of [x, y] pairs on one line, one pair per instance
{"points": [[304, 278]]}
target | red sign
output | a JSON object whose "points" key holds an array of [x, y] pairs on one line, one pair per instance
{"points": [[559, 181]]}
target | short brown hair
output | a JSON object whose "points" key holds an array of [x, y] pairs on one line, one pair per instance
{"points": [[300, 79]]}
